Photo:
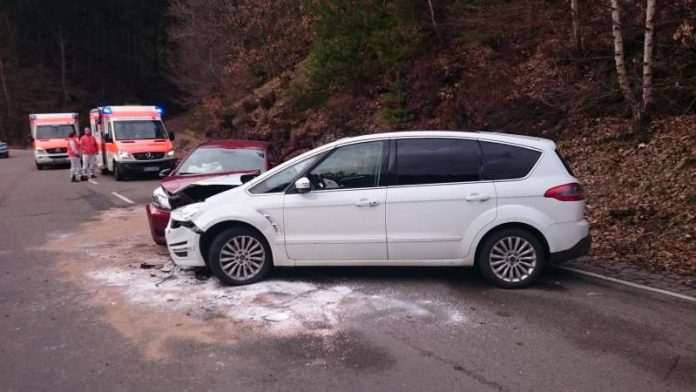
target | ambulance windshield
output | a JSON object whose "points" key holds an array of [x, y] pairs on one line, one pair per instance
{"points": [[139, 129], [53, 131]]}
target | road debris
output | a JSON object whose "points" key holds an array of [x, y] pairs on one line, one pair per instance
{"points": [[284, 307], [281, 306]]}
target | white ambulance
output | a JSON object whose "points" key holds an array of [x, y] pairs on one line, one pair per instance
{"points": [[131, 140], [49, 137]]}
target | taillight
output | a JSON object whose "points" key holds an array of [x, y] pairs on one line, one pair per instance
{"points": [[567, 192]]}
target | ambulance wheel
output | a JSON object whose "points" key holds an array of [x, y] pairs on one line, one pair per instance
{"points": [[119, 175], [39, 166]]}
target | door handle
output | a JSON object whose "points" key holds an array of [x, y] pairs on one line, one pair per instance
{"points": [[366, 203], [476, 197]]}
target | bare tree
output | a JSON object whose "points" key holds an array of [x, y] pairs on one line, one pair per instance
{"points": [[63, 67], [3, 81], [619, 56], [7, 37], [432, 14], [648, 49], [577, 26], [639, 103]]}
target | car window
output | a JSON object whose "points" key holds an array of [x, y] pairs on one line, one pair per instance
{"points": [[436, 161], [272, 156], [565, 164], [349, 167], [212, 160], [279, 181], [505, 162]]}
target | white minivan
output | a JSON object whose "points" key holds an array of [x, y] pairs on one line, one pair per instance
{"points": [[507, 204]]}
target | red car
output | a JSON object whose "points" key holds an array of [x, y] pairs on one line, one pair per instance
{"points": [[211, 168]]}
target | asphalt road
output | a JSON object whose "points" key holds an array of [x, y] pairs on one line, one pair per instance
{"points": [[563, 334]]}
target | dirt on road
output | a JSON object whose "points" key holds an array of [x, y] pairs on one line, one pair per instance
{"points": [[150, 301]]}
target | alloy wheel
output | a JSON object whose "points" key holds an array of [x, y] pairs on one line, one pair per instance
{"points": [[512, 259], [242, 257]]}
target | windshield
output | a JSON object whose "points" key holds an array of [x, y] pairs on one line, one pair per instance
{"points": [[280, 180], [214, 160], [53, 131], [140, 129]]}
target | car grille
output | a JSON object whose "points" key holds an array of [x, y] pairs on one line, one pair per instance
{"points": [[146, 156], [59, 150]]}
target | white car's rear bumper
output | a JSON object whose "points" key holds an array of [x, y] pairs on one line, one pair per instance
{"points": [[183, 243], [568, 240]]}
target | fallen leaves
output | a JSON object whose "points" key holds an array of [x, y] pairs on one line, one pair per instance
{"points": [[641, 195]]}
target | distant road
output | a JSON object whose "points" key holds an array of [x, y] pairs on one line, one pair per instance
{"points": [[42, 189], [563, 334]]}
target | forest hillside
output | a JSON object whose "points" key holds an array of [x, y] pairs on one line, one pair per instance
{"points": [[613, 82]]}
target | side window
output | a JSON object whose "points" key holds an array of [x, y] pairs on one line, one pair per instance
{"points": [[349, 167], [565, 164], [279, 181], [505, 162], [272, 157], [436, 161]]}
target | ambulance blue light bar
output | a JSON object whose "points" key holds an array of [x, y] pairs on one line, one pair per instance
{"points": [[159, 110], [107, 110]]}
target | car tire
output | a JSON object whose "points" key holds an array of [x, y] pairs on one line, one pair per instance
{"points": [[39, 166], [118, 173], [511, 258], [239, 256]]}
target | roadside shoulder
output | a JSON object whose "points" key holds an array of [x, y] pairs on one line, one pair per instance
{"points": [[685, 285]]}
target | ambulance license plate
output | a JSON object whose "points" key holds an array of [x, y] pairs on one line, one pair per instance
{"points": [[151, 169]]}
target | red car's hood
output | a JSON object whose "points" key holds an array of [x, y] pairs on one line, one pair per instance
{"points": [[174, 184]]}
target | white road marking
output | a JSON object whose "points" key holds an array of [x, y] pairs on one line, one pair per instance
{"points": [[127, 200], [93, 182], [630, 284]]}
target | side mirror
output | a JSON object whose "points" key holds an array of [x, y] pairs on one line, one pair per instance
{"points": [[303, 185], [30, 140], [107, 138], [165, 172], [171, 136]]}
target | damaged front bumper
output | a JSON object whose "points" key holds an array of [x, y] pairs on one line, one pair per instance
{"points": [[183, 245]]}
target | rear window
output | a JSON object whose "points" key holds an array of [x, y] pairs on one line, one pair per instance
{"points": [[506, 162], [436, 161], [565, 164]]}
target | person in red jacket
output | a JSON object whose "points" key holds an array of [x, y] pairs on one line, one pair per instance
{"points": [[74, 156], [88, 146]]}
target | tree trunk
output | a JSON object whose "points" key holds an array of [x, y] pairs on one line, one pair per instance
{"points": [[577, 26], [648, 55], [629, 94], [3, 81], [432, 15], [63, 68], [6, 95], [619, 57]]}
